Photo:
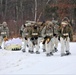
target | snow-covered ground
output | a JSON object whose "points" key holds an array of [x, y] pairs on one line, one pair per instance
{"points": [[16, 62]]}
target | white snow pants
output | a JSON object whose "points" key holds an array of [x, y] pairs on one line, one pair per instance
{"points": [[49, 46], [31, 47], [55, 42], [64, 44], [24, 43]]}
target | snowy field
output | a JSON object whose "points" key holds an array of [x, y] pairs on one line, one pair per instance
{"points": [[16, 62]]}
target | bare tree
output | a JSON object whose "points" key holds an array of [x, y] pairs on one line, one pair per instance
{"points": [[21, 4], [5, 9], [43, 10], [35, 10], [1, 8]]}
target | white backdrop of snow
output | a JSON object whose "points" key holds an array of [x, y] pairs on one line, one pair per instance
{"points": [[17, 62]]}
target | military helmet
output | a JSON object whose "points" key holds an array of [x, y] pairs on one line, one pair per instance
{"points": [[50, 24], [4, 24]]}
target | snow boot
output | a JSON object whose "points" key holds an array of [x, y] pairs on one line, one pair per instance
{"points": [[37, 52], [31, 51], [56, 49], [44, 50], [48, 54], [68, 53], [51, 53], [23, 50], [63, 54]]}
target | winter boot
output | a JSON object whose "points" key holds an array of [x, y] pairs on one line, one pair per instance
{"points": [[44, 50], [48, 54], [37, 52], [23, 50], [63, 54], [31, 51], [51, 53], [56, 49], [68, 53]]}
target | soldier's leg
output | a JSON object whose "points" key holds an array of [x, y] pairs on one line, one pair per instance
{"points": [[56, 44], [44, 47], [24, 44], [47, 49], [51, 44], [67, 46], [62, 40], [36, 41], [31, 46], [1, 40]]}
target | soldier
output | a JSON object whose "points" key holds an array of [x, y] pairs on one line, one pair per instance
{"points": [[34, 39], [5, 30], [48, 39], [42, 30], [22, 28], [25, 36], [55, 37], [66, 35]]}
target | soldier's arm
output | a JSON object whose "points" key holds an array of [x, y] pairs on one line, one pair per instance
{"points": [[43, 31], [71, 34]]}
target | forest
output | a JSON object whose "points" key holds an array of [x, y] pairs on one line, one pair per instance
{"points": [[17, 12]]}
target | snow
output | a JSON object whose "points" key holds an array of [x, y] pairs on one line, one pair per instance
{"points": [[17, 62]]}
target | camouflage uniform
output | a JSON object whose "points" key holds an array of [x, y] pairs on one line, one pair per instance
{"points": [[48, 39], [42, 30], [55, 37], [1, 40], [5, 30], [34, 39], [25, 36], [66, 34], [21, 30]]}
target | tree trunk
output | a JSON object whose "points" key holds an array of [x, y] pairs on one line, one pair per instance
{"points": [[21, 4], [2, 8], [5, 9], [35, 10]]}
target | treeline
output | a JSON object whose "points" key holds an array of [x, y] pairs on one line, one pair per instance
{"points": [[16, 12]]}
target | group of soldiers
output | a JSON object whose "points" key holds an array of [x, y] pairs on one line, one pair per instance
{"points": [[50, 34]]}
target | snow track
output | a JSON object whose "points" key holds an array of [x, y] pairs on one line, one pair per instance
{"points": [[17, 62]]}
